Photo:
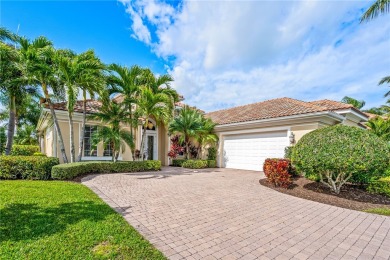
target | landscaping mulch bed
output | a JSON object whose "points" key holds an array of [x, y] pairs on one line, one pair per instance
{"points": [[350, 197]]}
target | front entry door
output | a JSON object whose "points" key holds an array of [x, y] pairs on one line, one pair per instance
{"points": [[151, 147]]}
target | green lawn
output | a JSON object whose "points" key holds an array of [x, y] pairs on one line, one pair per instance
{"points": [[380, 211], [63, 220]]}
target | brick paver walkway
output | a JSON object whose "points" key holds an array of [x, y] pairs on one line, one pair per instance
{"points": [[227, 214]]}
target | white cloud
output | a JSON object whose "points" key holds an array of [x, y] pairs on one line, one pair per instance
{"points": [[231, 53]]}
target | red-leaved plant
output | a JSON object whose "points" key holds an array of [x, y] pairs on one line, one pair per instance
{"points": [[278, 172], [176, 148]]}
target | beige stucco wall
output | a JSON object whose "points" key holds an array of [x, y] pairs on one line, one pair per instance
{"points": [[301, 130], [48, 142]]}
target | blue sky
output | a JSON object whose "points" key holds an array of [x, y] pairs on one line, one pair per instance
{"points": [[223, 54]]}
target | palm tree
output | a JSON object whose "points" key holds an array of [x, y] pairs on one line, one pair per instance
{"points": [[114, 115], [354, 102], [187, 125], [153, 105], [26, 135], [127, 82], [75, 71], [39, 66], [383, 81], [206, 135], [380, 127], [377, 8], [93, 84]]}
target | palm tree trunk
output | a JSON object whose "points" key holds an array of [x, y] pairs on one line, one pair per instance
{"points": [[187, 148], [143, 141], [132, 147], [56, 125], [81, 142], [11, 125], [71, 137]]}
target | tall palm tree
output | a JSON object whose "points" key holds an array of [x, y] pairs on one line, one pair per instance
{"points": [[93, 84], [153, 105], [383, 81], [354, 102], [39, 66], [377, 8], [187, 125], [114, 115], [127, 82], [206, 135], [76, 71]]}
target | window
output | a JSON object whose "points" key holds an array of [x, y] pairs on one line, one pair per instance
{"points": [[89, 149], [107, 150]]}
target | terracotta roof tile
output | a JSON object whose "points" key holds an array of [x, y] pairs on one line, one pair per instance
{"points": [[273, 108], [92, 106], [331, 104]]}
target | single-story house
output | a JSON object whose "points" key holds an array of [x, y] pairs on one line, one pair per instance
{"points": [[247, 134], [251, 133]]}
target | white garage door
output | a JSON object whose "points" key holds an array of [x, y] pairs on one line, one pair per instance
{"points": [[248, 152]]}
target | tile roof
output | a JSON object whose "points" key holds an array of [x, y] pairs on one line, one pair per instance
{"points": [[273, 108], [92, 106], [331, 104]]}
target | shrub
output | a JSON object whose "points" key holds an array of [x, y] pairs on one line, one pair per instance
{"points": [[26, 150], [380, 186], [340, 153], [71, 170], [26, 167], [178, 162], [39, 154], [212, 153], [288, 151], [278, 171], [211, 164], [195, 164]]}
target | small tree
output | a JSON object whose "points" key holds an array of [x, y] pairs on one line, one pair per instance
{"points": [[340, 154]]}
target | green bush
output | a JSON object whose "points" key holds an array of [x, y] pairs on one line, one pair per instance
{"points": [[195, 164], [71, 170], [26, 167], [340, 154], [26, 150], [380, 186], [211, 164], [288, 151], [212, 153], [39, 154], [178, 162]]}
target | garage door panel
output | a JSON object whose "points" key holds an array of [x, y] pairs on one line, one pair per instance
{"points": [[250, 151]]}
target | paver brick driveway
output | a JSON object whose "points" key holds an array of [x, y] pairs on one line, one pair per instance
{"points": [[227, 214]]}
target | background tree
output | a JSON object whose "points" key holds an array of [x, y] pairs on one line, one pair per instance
{"points": [[114, 115], [152, 105], [206, 135], [354, 102], [39, 66], [127, 82], [380, 127], [187, 125], [26, 135], [377, 8]]}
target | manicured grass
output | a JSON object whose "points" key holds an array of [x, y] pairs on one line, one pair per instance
{"points": [[380, 211], [63, 220]]}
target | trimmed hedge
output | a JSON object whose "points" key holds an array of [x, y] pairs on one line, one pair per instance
{"points": [[178, 162], [194, 164], [71, 170], [25, 150], [288, 152], [39, 154], [380, 186], [212, 153], [278, 171], [26, 167], [340, 154]]}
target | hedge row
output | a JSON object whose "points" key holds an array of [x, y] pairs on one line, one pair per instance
{"points": [[194, 164], [25, 150], [72, 170], [380, 186], [26, 167]]}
